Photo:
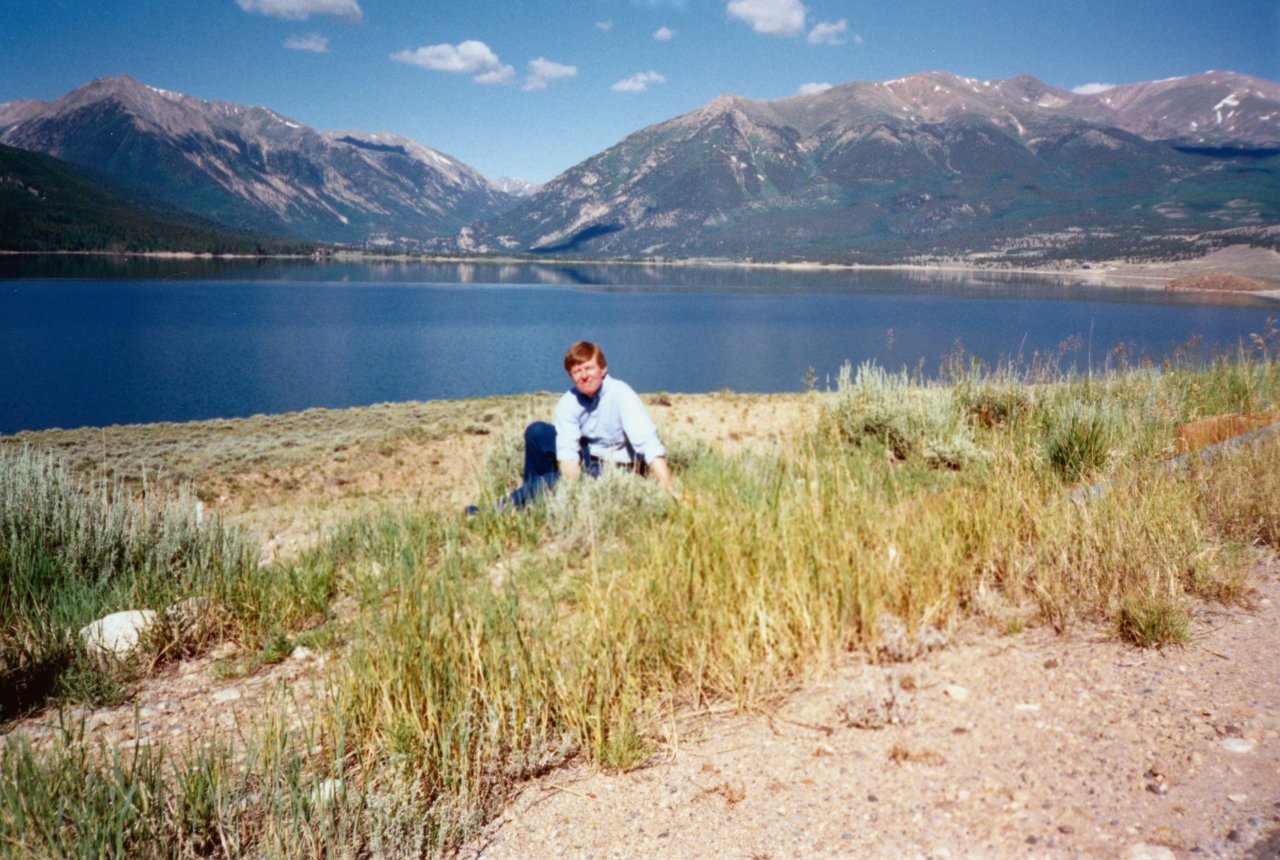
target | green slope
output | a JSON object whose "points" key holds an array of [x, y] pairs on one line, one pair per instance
{"points": [[48, 205]]}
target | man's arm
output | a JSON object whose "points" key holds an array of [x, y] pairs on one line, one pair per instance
{"points": [[661, 472]]}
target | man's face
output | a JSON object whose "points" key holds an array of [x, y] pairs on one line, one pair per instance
{"points": [[587, 378]]}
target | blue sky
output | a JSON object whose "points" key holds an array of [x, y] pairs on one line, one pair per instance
{"points": [[529, 89]]}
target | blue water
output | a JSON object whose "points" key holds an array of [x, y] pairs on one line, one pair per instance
{"points": [[162, 342]]}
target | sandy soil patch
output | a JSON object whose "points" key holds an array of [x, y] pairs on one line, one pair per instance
{"points": [[290, 507], [1037, 745]]}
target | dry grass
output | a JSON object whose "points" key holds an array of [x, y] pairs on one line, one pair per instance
{"points": [[488, 650]]}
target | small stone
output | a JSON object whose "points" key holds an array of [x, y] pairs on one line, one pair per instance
{"points": [[1237, 745], [1237, 798], [228, 695], [1233, 835], [1051, 663], [1032, 840], [872, 798], [1158, 788], [1027, 706], [1066, 829], [301, 652], [1143, 851], [326, 792], [955, 691]]}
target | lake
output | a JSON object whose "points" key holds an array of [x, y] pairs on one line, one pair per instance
{"points": [[100, 341]]}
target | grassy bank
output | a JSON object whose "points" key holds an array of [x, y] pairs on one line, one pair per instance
{"points": [[472, 654]]}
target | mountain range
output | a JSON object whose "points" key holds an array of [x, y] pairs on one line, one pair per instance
{"points": [[931, 164], [250, 168], [927, 165]]}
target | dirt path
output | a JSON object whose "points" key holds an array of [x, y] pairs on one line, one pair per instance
{"points": [[1030, 746]]}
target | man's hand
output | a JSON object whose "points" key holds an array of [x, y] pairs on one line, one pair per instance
{"points": [[662, 474], [570, 469]]}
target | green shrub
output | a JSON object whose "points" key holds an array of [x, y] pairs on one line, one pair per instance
{"points": [[907, 419], [994, 405], [71, 552], [1153, 621], [1078, 440], [586, 512]]}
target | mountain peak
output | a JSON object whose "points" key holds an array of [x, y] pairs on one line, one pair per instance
{"points": [[250, 167]]}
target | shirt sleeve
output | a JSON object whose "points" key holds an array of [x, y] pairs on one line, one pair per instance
{"points": [[641, 432], [568, 429]]}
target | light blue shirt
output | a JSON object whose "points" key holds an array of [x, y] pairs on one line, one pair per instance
{"points": [[615, 424]]}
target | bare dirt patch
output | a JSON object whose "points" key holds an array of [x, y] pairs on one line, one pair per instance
{"points": [[1216, 282], [1037, 745]]}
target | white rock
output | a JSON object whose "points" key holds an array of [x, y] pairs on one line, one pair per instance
{"points": [[326, 792], [228, 695], [302, 652], [955, 691], [1143, 851], [1238, 745], [117, 634]]}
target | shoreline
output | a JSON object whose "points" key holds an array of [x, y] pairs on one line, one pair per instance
{"points": [[1256, 262]]}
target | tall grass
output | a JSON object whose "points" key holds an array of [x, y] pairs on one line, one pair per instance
{"points": [[72, 551], [490, 649], [482, 666]]}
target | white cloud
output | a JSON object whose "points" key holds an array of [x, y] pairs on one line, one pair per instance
{"points": [[664, 34], [466, 58], [313, 42], [827, 33], [770, 17], [606, 26], [1092, 89], [638, 83], [543, 71], [810, 89], [300, 10]]}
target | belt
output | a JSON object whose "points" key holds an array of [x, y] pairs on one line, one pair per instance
{"points": [[630, 466]]}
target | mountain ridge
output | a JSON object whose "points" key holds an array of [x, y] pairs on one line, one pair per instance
{"points": [[252, 168], [928, 164], [49, 205]]}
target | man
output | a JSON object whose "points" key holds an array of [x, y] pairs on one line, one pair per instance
{"points": [[599, 423]]}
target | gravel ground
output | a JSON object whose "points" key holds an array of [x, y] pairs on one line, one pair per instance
{"points": [[1037, 745]]}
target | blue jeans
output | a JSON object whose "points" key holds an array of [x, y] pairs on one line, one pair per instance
{"points": [[541, 469]]}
